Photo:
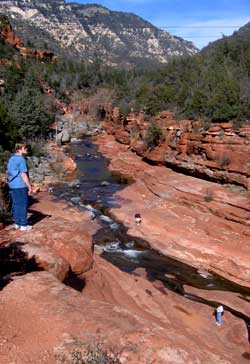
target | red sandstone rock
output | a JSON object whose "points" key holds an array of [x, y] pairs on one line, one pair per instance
{"points": [[139, 147], [214, 129], [226, 126], [27, 52], [61, 230], [156, 154], [167, 309], [234, 301], [193, 149], [49, 320], [122, 136], [167, 115], [41, 55], [244, 128], [44, 55], [69, 164], [43, 321], [194, 220], [47, 259], [63, 165], [7, 35]]}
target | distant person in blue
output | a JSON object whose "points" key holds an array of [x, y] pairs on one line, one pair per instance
{"points": [[218, 315], [20, 187]]}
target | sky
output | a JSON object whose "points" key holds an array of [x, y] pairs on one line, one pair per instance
{"points": [[200, 21]]}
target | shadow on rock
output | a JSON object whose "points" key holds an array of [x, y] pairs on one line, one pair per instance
{"points": [[36, 216], [15, 262], [75, 281], [246, 355]]}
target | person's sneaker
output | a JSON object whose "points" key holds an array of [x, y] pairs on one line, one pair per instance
{"points": [[25, 228], [16, 227]]}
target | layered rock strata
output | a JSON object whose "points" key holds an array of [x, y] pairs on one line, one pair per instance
{"points": [[200, 222], [219, 152]]}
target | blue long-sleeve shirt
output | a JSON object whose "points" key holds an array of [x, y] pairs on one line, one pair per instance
{"points": [[16, 165]]}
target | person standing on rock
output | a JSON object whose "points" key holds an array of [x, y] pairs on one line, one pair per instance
{"points": [[218, 315], [20, 187], [138, 218]]}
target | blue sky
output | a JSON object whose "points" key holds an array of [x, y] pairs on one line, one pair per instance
{"points": [[201, 21]]}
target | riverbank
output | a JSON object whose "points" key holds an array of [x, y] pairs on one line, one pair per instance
{"points": [[65, 296], [199, 222], [42, 319]]}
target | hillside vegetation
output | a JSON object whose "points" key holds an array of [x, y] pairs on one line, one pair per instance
{"points": [[91, 31], [213, 85]]}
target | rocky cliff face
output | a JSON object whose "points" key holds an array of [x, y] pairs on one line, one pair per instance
{"points": [[91, 31], [6, 33], [219, 152], [8, 36]]}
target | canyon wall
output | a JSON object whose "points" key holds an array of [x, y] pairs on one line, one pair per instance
{"points": [[8, 36], [218, 152]]}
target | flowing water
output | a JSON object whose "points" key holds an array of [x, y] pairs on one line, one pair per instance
{"points": [[96, 193]]}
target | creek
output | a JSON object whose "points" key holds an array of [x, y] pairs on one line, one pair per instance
{"points": [[96, 193]]}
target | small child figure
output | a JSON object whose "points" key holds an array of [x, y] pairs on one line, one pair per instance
{"points": [[137, 218], [50, 189], [218, 314]]}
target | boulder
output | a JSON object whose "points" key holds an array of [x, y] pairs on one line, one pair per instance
{"points": [[46, 259], [64, 136], [75, 183]]}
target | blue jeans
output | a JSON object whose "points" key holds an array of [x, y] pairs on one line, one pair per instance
{"points": [[219, 318], [19, 198]]}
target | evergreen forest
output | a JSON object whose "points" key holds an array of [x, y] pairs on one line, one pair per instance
{"points": [[213, 85]]}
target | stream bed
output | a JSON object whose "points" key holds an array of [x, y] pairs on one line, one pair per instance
{"points": [[94, 191]]}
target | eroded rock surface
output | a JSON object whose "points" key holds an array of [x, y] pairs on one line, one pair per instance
{"points": [[219, 152], [181, 319], [196, 221], [43, 321], [59, 240]]}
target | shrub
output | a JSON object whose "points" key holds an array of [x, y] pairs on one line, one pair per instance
{"points": [[154, 136], [5, 203], [94, 354], [4, 156], [125, 107], [38, 148]]}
